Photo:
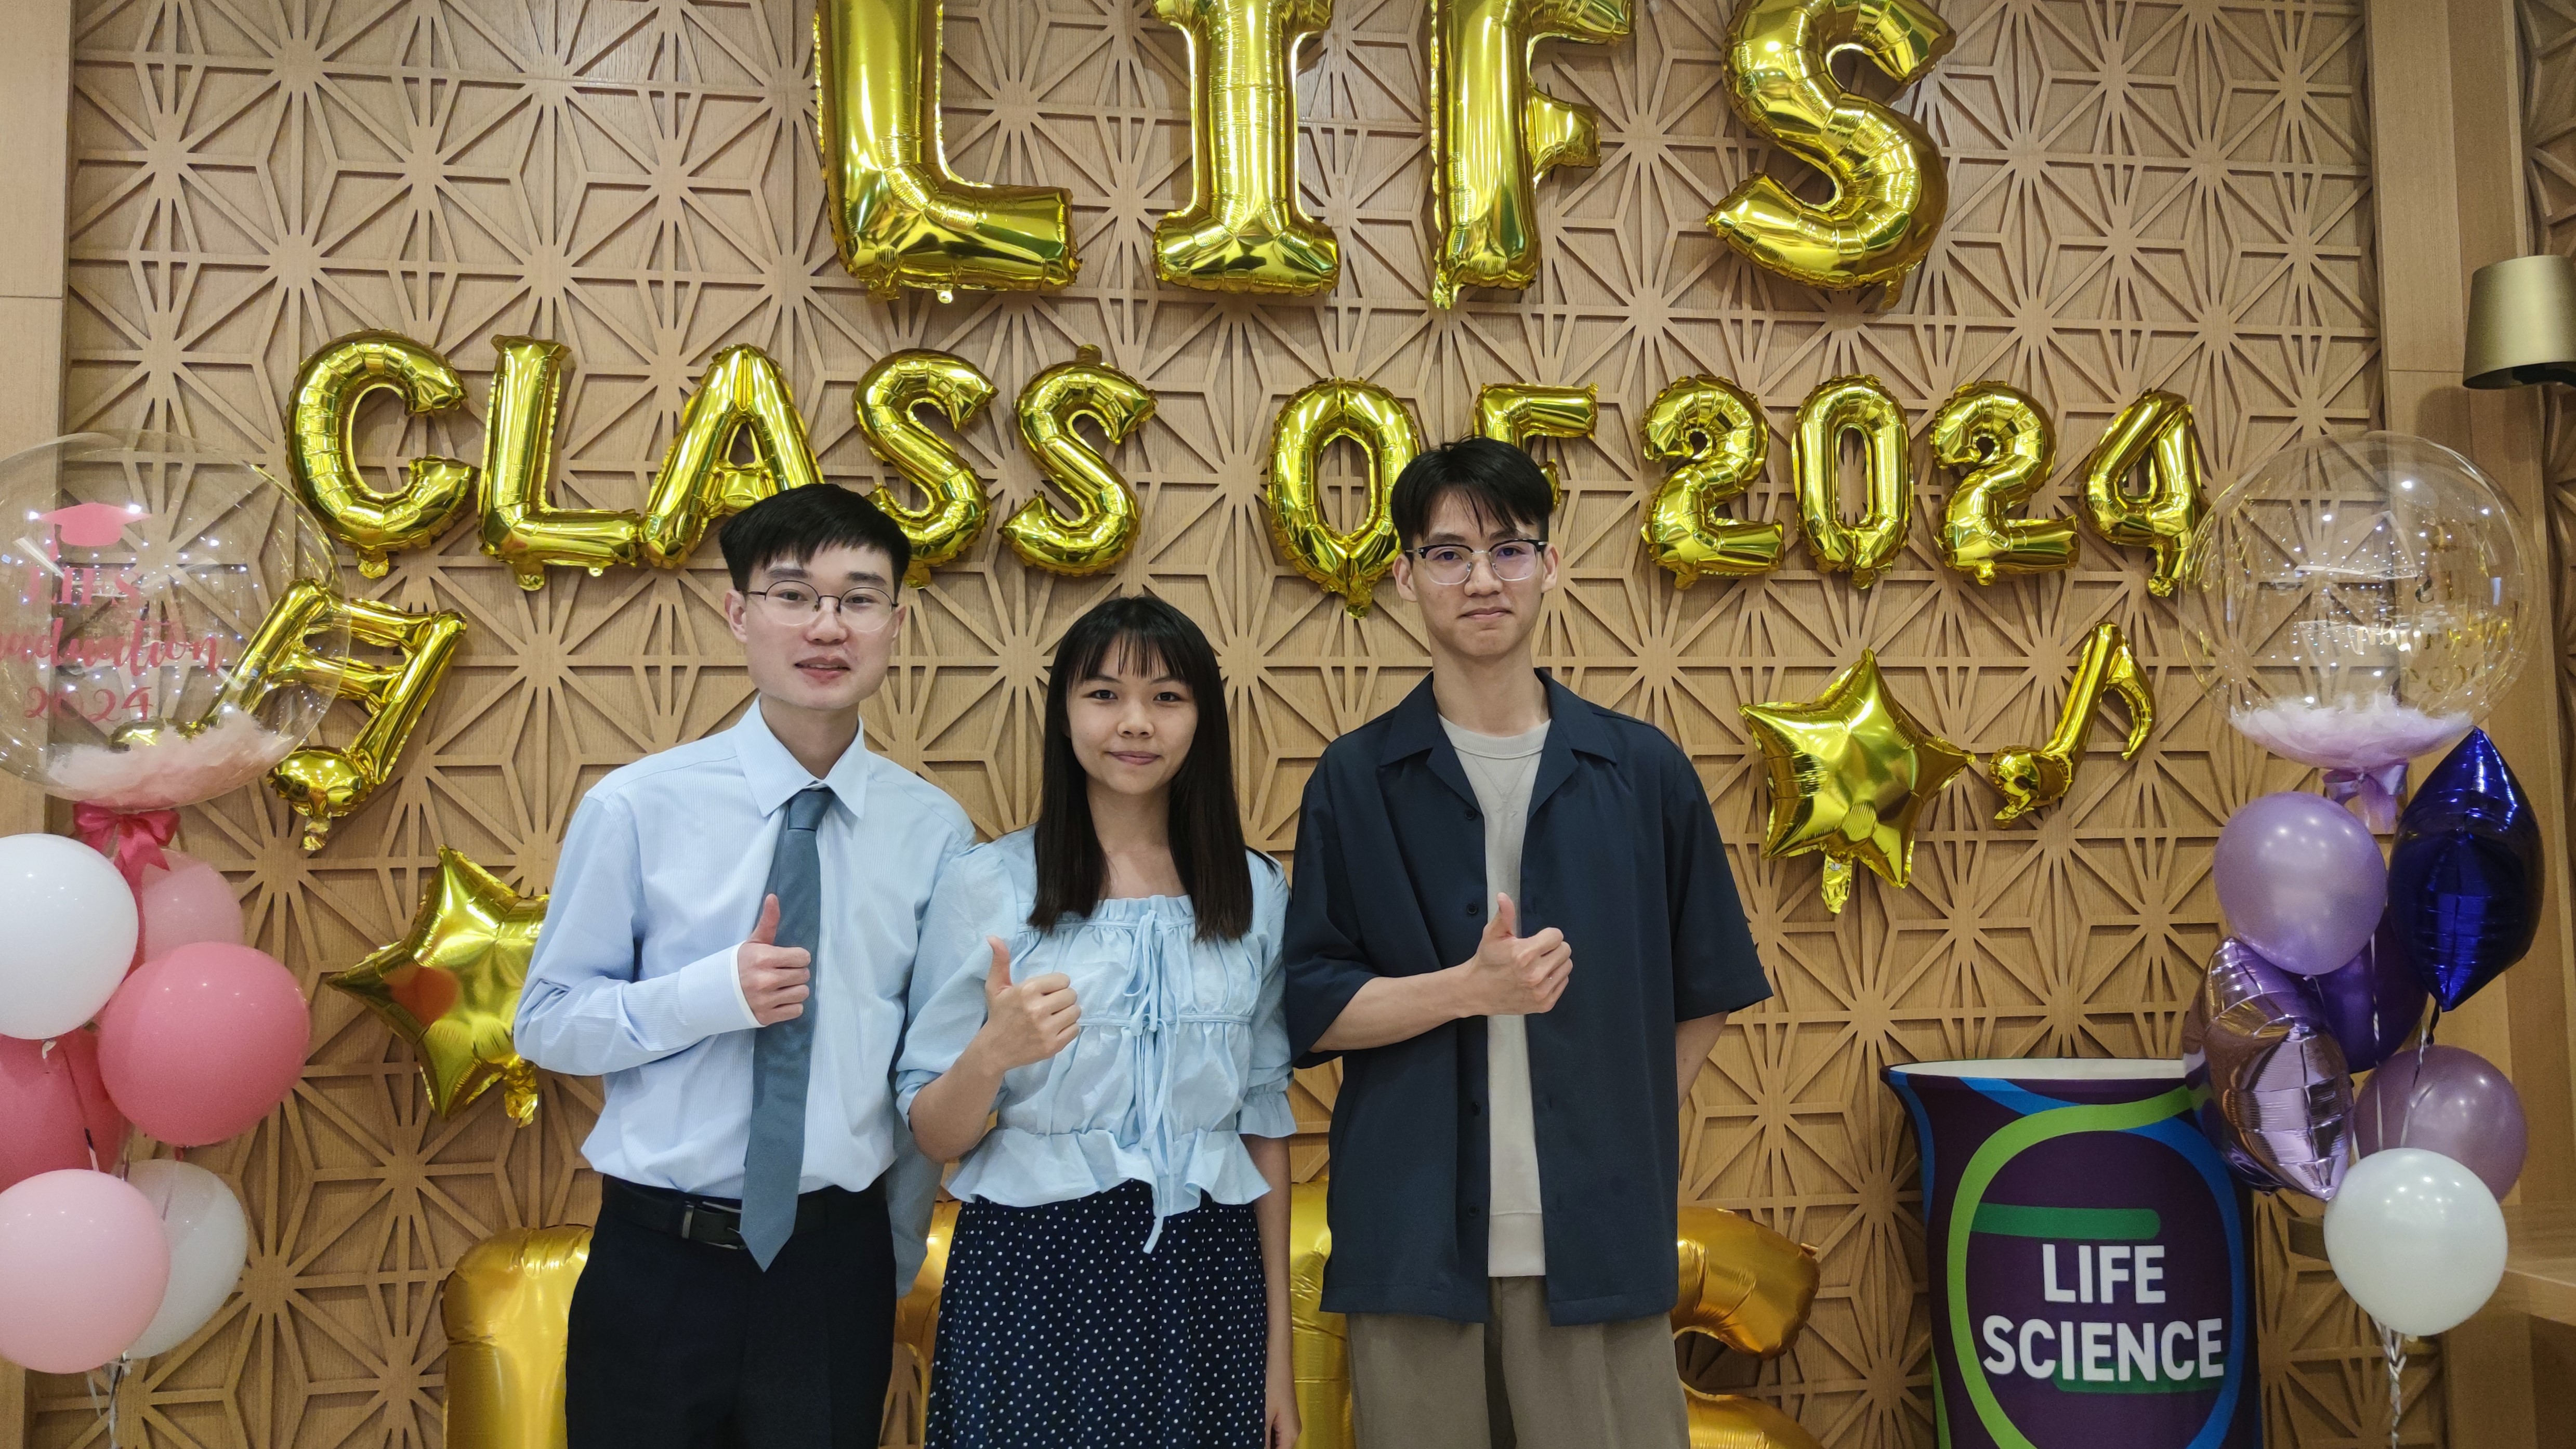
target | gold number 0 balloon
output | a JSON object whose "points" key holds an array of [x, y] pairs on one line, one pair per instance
{"points": [[1494, 134], [900, 217], [1514, 413], [1713, 430], [1860, 405], [329, 389], [946, 524], [2002, 444], [1243, 230], [521, 526], [2156, 430], [1348, 564], [740, 393], [1104, 521], [1889, 191]]}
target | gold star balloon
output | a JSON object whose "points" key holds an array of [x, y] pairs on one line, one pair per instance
{"points": [[1850, 772], [451, 987]]}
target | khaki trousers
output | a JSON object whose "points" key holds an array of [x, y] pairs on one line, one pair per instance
{"points": [[1515, 1381]]}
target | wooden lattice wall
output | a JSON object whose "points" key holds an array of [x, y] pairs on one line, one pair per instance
{"points": [[2144, 195]]}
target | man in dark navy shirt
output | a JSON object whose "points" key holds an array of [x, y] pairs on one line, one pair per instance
{"points": [[1513, 922]]}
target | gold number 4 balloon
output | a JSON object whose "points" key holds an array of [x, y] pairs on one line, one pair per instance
{"points": [[329, 389], [1889, 191], [1348, 564], [1864, 406], [1851, 772], [2033, 777], [1243, 230], [1515, 412], [2156, 430], [947, 524], [1104, 521], [2002, 445], [450, 987], [1712, 432]]}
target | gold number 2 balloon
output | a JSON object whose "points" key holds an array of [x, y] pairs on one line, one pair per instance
{"points": [[323, 785], [1515, 412], [2033, 777], [521, 525], [2155, 430], [2002, 445], [900, 217], [1712, 431], [1889, 191], [1243, 230], [956, 505], [1494, 133], [1861, 405], [1348, 564], [1104, 521], [329, 389], [740, 394]]}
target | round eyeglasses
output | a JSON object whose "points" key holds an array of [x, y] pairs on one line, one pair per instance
{"points": [[862, 611], [1513, 560]]}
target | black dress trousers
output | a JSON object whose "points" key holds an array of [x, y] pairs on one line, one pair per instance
{"points": [[678, 1344]]}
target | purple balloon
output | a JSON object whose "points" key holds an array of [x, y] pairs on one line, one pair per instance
{"points": [[2280, 1102], [2301, 881], [2450, 1101], [2464, 878], [2372, 1003]]}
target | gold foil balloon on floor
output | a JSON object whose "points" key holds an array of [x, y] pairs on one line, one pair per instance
{"points": [[1515, 412], [1889, 190], [451, 986], [1494, 133], [2002, 445], [947, 524], [2156, 430], [1863, 406], [508, 1309], [900, 217], [1710, 431], [740, 396], [1348, 564], [521, 525], [2033, 777], [320, 419], [1851, 772], [916, 1317], [1243, 230], [1742, 1284], [1319, 1345], [1736, 1421], [324, 784], [1104, 521]]}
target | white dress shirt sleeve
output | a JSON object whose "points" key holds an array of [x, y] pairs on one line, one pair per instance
{"points": [[585, 1010], [1266, 1112]]}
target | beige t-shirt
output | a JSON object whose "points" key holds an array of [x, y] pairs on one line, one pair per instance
{"points": [[1503, 768]]}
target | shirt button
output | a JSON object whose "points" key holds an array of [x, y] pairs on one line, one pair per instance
{"points": [[1475, 1212], [1475, 1109], [1475, 908], [1471, 814]]}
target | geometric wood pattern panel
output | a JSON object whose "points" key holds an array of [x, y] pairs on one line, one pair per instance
{"points": [[2144, 195]]}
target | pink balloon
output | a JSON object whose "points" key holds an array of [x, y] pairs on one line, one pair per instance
{"points": [[54, 1108], [198, 1045], [83, 1265], [188, 903], [2448, 1100]]}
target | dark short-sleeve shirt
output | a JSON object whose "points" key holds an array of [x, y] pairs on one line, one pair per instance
{"points": [[1622, 855]]}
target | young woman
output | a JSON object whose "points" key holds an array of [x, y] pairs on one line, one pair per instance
{"points": [[1103, 989]]}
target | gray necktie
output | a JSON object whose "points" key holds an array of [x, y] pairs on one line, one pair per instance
{"points": [[783, 1051]]}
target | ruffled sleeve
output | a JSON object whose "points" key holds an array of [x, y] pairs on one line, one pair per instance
{"points": [[975, 898], [1265, 1090]]}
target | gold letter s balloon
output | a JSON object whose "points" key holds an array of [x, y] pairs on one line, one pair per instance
{"points": [[521, 525], [1243, 230], [451, 986], [2002, 445], [2155, 430], [1348, 564], [1851, 772], [1713, 430], [1494, 134], [1515, 412], [1889, 193], [900, 216], [741, 393], [1103, 525], [329, 389], [1861, 405], [325, 784], [946, 525]]}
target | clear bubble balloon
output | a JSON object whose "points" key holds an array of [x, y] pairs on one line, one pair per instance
{"points": [[166, 620]]}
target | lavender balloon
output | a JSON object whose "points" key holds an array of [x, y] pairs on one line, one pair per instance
{"points": [[2280, 1101], [2372, 1003], [2301, 881], [2449, 1101]]}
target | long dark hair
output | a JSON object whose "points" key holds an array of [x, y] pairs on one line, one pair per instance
{"points": [[1147, 635]]}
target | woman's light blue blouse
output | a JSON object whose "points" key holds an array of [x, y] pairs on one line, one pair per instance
{"points": [[1183, 1046]]}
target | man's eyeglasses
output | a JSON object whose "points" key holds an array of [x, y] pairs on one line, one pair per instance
{"points": [[1513, 560], [863, 611]]}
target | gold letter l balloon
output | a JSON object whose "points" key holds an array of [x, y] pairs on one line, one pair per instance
{"points": [[1348, 564], [1103, 525], [328, 391], [1243, 230]]}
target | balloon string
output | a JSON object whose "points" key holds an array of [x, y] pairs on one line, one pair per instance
{"points": [[2392, 1346], [115, 1380]]}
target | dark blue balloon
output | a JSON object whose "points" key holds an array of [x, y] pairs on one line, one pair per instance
{"points": [[2372, 1004], [2464, 879]]}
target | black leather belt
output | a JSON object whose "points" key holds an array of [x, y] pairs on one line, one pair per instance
{"points": [[714, 1221]]}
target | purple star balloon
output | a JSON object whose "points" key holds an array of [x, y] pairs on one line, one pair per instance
{"points": [[2464, 878], [2280, 1102]]}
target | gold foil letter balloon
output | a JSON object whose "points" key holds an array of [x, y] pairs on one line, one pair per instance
{"points": [[2002, 446], [1851, 772], [1712, 431], [1515, 412], [329, 389], [900, 217], [521, 525], [451, 987], [2033, 777], [2156, 430], [1348, 564], [1889, 191], [325, 784], [1104, 521], [947, 524], [508, 1309], [1243, 230], [741, 396], [1864, 406], [1494, 134]]}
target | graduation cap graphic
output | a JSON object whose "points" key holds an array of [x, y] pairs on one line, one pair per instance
{"points": [[92, 525]]}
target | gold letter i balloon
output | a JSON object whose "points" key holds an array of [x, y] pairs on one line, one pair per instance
{"points": [[1494, 134], [2002, 446], [2155, 430], [1889, 191], [1348, 564], [1712, 430], [741, 393], [329, 389], [1104, 521], [1243, 230], [1861, 405], [900, 216], [1851, 772], [947, 524]]}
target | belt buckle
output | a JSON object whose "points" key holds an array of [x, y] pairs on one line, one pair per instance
{"points": [[688, 1222]]}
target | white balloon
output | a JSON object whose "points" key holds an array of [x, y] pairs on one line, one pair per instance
{"points": [[209, 1242], [72, 928], [2417, 1240]]}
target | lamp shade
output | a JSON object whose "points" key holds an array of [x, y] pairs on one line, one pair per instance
{"points": [[2522, 323]]}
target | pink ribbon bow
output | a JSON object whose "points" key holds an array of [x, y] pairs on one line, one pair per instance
{"points": [[131, 838]]}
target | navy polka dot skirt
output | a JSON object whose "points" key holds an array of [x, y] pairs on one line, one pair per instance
{"points": [[1058, 1331]]}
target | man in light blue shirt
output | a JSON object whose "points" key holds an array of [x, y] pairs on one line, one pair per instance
{"points": [[730, 943]]}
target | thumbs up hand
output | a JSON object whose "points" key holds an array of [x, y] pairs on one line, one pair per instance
{"points": [[774, 977], [1512, 974], [1025, 1022]]}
